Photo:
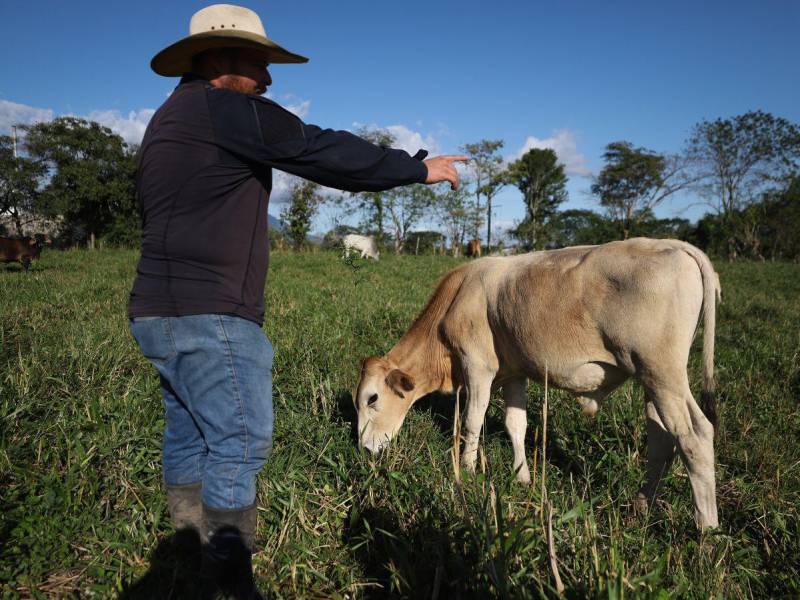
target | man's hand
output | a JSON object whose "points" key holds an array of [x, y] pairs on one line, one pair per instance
{"points": [[441, 168]]}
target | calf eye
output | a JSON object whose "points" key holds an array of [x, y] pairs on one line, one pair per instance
{"points": [[372, 399]]}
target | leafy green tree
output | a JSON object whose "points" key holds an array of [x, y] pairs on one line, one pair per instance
{"points": [[406, 206], [20, 181], [737, 161], [298, 214], [781, 222], [487, 168], [770, 227], [455, 213], [89, 170], [636, 180], [578, 227], [542, 181]]}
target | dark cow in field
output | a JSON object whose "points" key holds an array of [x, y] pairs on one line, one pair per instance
{"points": [[474, 248], [22, 250]]}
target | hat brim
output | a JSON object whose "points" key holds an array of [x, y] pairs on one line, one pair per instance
{"points": [[176, 59]]}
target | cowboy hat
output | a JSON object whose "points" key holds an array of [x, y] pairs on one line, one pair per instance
{"points": [[220, 26]]}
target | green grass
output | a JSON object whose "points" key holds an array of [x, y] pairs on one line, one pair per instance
{"points": [[83, 513]]}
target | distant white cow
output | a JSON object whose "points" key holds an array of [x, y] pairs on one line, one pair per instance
{"points": [[360, 243]]}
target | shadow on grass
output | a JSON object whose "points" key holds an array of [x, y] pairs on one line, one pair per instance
{"points": [[174, 570], [402, 562]]}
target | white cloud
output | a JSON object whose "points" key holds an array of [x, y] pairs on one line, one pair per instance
{"points": [[411, 141], [12, 113], [130, 128], [293, 104], [563, 142], [282, 184]]}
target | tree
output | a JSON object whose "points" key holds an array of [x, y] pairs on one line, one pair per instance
{"points": [[20, 180], [424, 242], [580, 227], [406, 206], [455, 214], [373, 202], [737, 161], [487, 167], [89, 170], [781, 229], [542, 181], [636, 180], [298, 214], [770, 226]]}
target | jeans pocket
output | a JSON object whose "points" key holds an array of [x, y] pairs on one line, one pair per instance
{"points": [[154, 336]]}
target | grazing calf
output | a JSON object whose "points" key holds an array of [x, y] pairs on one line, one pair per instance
{"points": [[22, 250], [589, 317], [474, 248], [360, 243]]}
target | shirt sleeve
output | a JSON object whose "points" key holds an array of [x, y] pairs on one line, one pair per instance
{"points": [[262, 131]]}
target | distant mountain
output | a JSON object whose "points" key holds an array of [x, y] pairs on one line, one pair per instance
{"points": [[276, 223]]}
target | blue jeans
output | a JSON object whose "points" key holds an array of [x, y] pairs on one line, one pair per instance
{"points": [[216, 382]]}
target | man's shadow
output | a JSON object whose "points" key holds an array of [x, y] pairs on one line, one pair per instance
{"points": [[174, 570]]}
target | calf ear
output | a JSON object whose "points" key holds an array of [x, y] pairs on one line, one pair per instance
{"points": [[399, 381]]}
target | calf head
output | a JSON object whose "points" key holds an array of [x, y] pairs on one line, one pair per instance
{"points": [[383, 397]]}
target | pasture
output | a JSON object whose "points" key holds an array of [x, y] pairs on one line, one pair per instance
{"points": [[83, 514]]}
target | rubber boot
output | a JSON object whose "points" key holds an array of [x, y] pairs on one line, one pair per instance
{"points": [[227, 565], [186, 506], [186, 513]]}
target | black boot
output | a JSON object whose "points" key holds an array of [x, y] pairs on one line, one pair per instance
{"points": [[227, 565]]}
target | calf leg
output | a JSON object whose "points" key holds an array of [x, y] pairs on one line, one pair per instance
{"points": [[660, 453], [694, 436], [479, 387], [516, 398]]}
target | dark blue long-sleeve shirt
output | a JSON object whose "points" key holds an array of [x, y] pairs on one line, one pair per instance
{"points": [[203, 181]]}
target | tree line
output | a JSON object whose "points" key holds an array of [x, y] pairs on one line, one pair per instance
{"points": [[745, 168]]}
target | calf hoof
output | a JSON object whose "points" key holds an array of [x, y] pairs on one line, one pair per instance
{"points": [[706, 522], [589, 407], [524, 476], [641, 504], [469, 464]]}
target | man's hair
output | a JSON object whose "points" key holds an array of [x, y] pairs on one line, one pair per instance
{"points": [[201, 61]]}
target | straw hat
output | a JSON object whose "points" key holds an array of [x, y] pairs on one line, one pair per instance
{"points": [[220, 26]]}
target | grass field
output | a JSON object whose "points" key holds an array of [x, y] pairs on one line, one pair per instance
{"points": [[83, 513]]}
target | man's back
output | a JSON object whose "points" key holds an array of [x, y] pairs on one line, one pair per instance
{"points": [[204, 210]]}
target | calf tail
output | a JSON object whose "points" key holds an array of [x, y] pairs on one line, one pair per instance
{"points": [[712, 293]]}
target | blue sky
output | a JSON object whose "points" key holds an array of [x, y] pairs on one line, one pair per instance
{"points": [[564, 74]]}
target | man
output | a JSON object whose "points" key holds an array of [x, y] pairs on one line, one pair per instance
{"points": [[196, 308]]}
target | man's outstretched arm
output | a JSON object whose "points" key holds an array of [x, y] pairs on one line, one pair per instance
{"points": [[268, 134]]}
